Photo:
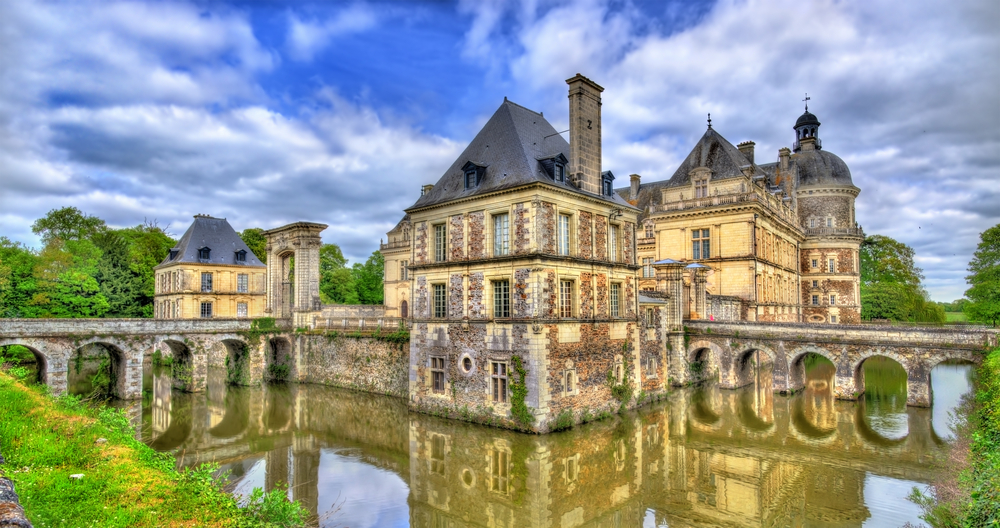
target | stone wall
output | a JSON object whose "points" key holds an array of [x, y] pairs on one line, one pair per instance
{"points": [[725, 308], [352, 311], [364, 364]]}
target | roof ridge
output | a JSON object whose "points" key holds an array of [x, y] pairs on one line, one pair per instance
{"points": [[505, 100]]}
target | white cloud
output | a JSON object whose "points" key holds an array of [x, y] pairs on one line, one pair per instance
{"points": [[306, 38]]}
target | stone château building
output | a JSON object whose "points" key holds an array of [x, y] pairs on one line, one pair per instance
{"points": [[780, 239], [209, 273]]}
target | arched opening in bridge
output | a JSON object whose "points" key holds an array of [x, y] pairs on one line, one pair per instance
{"points": [[278, 407], [700, 365], [235, 414], [175, 360], [753, 367], [882, 380], [279, 359], [23, 362], [97, 369], [811, 371], [237, 362], [951, 383]]}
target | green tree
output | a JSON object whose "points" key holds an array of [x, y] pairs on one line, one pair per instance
{"points": [[148, 245], [336, 282], [984, 279], [67, 287], [68, 223], [368, 279], [254, 238], [891, 283], [17, 279]]}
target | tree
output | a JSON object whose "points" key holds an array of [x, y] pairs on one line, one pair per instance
{"points": [[336, 282], [254, 238], [68, 223], [368, 279], [984, 278], [148, 245], [891, 283], [66, 286], [17, 280]]}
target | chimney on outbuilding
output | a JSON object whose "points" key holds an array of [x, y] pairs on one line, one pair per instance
{"points": [[746, 148], [585, 133], [633, 191]]}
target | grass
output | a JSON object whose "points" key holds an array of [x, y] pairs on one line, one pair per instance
{"points": [[955, 317], [125, 483], [969, 494]]}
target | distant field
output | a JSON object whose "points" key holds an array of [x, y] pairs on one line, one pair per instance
{"points": [[955, 317]]}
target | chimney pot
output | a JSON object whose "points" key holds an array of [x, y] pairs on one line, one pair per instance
{"points": [[633, 192]]}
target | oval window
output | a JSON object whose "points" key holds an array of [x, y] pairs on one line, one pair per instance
{"points": [[467, 363]]}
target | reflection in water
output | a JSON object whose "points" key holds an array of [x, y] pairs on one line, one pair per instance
{"points": [[704, 457], [885, 396], [949, 383]]}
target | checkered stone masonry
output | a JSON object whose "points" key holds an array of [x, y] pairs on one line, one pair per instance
{"points": [[476, 285], [600, 238], [457, 235], [546, 230], [422, 308], [455, 291], [521, 304], [522, 229], [602, 295], [477, 235], [586, 296], [549, 298], [628, 235], [420, 243], [584, 238]]}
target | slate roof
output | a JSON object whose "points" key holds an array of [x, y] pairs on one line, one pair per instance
{"points": [[511, 147], [217, 235], [819, 167]]}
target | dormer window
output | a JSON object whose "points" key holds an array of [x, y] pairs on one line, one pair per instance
{"points": [[554, 166], [204, 254], [559, 171], [473, 174], [173, 254], [607, 188], [241, 257]]}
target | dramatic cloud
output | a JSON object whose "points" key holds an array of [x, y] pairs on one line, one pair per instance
{"points": [[269, 114]]}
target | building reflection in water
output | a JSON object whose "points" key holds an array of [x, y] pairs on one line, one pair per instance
{"points": [[705, 457]]}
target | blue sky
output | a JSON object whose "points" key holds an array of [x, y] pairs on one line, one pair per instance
{"points": [[337, 112]]}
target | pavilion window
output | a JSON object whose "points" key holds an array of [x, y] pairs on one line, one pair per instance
{"points": [[206, 282], [501, 235], [440, 301], [616, 290], [206, 310], [563, 234], [242, 283], [437, 374], [501, 299], [701, 244], [440, 243], [565, 298], [498, 381]]}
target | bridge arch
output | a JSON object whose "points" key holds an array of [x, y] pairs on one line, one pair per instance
{"points": [[237, 362], [746, 365], [797, 366], [41, 353], [703, 359], [858, 371], [280, 364], [181, 361], [125, 365]]}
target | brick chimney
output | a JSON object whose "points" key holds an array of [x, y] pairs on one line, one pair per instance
{"points": [[746, 148], [633, 191], [585, 133]]}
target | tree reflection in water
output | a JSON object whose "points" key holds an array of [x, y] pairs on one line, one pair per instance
{"points": [[704, 457]]}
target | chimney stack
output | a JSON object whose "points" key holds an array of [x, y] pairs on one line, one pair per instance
{"points": [[585, 133], [633, 192], [746, 148]]}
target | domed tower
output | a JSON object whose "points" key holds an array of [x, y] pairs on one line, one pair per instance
{"points": [[829, 260]]}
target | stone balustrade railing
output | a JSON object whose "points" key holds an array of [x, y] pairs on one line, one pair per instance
{"points": [[829, 231], [394, 245], [772, 203], [364, 324]]}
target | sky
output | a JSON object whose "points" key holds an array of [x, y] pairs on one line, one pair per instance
{"points": [[267, 112]]}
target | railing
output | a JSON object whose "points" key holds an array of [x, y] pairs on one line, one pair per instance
{"points": [[364, 324], [395, 245], [947, 324], [641, 241], [770, 202], [828, 231]]}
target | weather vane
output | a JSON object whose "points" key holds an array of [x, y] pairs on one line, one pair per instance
{"points": [[709, 121], [807, 101]]}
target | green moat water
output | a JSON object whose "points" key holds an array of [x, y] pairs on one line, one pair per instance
{"points": [[703, 457]]}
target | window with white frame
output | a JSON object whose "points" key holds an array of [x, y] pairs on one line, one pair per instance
{"points": [[833, 265], [498, 381], [241, 309], [616, 291], [565, 298], [613, 243], [701, 244], [440, 301], [242, 283], [403, 272], [563, 234], [440, 243], [647, 267], [501, 298], [206, 309], [437, 374], [701, 188], [501, 235], [833, 299], [649, 230], [206, 282], [650, 317]]}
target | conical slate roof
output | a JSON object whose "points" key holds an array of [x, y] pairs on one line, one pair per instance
{"points": [[714, 152], [512, 147], [218, 236]]}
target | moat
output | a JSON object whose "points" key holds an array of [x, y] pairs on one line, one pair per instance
{"points": [[702, 457]]}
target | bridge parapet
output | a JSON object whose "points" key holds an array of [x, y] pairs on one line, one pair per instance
{"points": [[89, 327]]}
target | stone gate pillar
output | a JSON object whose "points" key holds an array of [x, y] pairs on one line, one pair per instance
{"points": [[698, 291], [670, 280], [302, 241]]}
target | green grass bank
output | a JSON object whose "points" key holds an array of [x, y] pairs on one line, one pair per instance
{"points": [[969, 497], [46, 441]]}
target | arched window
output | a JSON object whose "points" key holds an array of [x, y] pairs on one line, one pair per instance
{"points": [[403, 310]]}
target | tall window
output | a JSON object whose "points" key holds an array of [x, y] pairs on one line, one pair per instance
{"points": [[501, 235], [833, 265], [650, 317], [829, 221], [833, 299], [437, 373], [403, 272], [565, 298], [649, 231], [815, 299], [501, 298], [241, 309], [563, 234], [498, 381], [616, 291], [560, 172], [440, 301], [700, 188], [608, 190], [647, 267], [470, 179], [206, 282], [613, 243], [701, 244], [499, 470], [206, 309], [242, 283], [440, 243]]}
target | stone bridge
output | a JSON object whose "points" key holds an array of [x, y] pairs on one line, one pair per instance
{"points": [[192, 345], [737, 352]]}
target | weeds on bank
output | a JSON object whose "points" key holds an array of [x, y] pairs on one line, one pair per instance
{"points": [[77, 465]]}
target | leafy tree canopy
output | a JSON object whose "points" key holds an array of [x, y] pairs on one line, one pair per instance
{"points": [[984, 279], [368, 279], [891, 283], [17, 280], [254, 238], [67, 223], [336, 282]]}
